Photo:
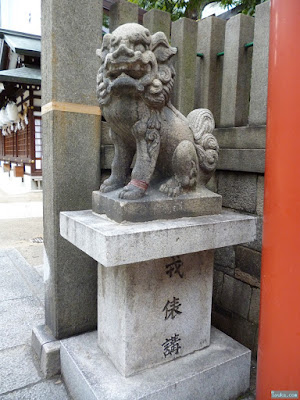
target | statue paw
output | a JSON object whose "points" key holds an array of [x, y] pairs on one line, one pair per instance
{"points": [[110, 185], [171, 188], [131, 192]]}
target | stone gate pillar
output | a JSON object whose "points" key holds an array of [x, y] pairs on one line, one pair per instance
{"points": [[71, 33]]}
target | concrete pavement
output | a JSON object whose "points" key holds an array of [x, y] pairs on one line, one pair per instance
{"points": [[21, 294]]}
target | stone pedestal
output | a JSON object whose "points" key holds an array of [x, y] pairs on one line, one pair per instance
{"points": [[154, 310]]}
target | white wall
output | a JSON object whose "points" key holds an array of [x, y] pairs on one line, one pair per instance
{"points": [[21, 15]]}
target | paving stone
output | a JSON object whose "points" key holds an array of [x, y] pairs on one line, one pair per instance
{"points": [[238, 190], [49, 390], [236, 296], [17, 319], [31, 278], [17, 368], [11, 287]]}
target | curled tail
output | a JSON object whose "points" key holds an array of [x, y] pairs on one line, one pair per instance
{"points": [[202, 124]]}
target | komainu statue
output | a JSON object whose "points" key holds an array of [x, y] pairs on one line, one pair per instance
{"points": [[134, 85]]}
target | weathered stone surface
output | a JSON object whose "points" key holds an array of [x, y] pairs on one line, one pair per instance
{"points": [[158, 21], [248, 160], [184, 38], [105, 138], [244, 332], [69, 311], [225, 256], [41, 334], [219, 372], [217, 285], [241, 137], [259, 81], [257, 243], [17, 326], [113, 244], [238, 190], [50, 359], [121, 12], [212, 184], [71, 163], [211, 34], [236, 71], [52, 389], [236, 296], [155, 205], [248, 260], [31, 279], [69, 44], [247, 278], [11, 375], [157, 299], [260, 195], [134, 85], [254, 306]]}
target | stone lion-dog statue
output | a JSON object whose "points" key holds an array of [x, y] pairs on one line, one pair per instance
{"points": [[134, 85]]}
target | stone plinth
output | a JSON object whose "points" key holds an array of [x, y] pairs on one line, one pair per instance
{"points": [[152, 312], [218, 372], [156, 205], [113, 244]]}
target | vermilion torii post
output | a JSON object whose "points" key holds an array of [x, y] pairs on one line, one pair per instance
{"points": [[279, 334]]}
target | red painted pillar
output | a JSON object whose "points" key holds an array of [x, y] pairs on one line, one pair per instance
{"points": [[279, 333]]}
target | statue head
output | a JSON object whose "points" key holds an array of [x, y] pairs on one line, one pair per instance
{"points": [[133, 60]]}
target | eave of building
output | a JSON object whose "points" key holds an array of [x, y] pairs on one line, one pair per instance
{"points": [[21, 75]]}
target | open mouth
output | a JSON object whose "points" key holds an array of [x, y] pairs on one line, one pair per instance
{"points": [[133, 70]]}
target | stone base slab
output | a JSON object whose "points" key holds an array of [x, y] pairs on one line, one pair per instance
{"points": [[47, 350], [113, 244], [156, 205], [218, 372]]}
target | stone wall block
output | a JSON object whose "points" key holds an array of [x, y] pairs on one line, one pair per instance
{"points": [[211, 35], [260, 195], [225, 256], [217, 285], [236, 71], [238, 190], [184, 37], [259, 82], [122, 12], [254, 306], [248, 261], [244, 332], [236, 296], [158, 21]]}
